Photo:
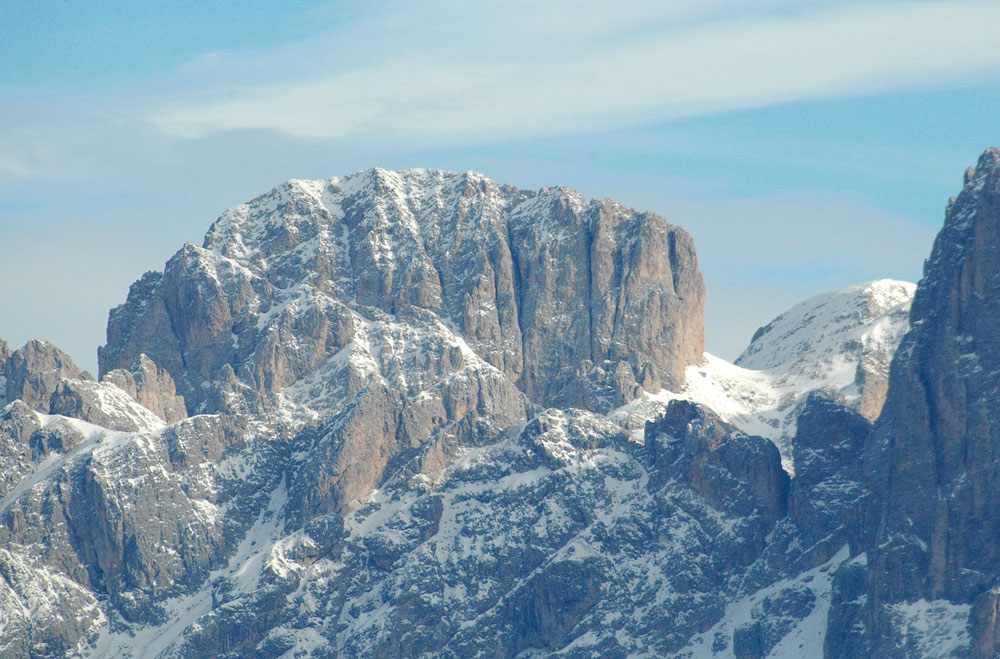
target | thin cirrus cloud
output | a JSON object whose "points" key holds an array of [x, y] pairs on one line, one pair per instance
{"points": [[463, 82]]}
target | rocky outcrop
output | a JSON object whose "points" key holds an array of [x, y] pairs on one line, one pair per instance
{"points": [[34, 371], [4, 356], [408, 308], [607, 310], [934, 511], [18, 423], [576, 302], [150, 386], [827, 451], [46, 379], [732, 471], [102, 405]]}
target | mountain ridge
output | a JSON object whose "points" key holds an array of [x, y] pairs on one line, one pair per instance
{"points": [[366, 472]]}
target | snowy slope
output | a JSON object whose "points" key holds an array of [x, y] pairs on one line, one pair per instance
{"points": [[841, 342], [366, 479]]}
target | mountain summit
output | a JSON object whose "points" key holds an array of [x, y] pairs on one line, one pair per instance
{"points": [[575, 302], [423, 414]]}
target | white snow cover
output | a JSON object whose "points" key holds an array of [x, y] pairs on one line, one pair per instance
{"points": [[935, 628], [804, 640], [821, 343], [818, 344]]}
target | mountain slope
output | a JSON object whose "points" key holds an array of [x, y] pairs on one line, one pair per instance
{"points": [[418, 413], [931, 518], [331, 338], [839, 342]]}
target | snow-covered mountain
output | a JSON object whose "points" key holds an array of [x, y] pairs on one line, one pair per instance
{"points": [[423, 414], [840, 343]]}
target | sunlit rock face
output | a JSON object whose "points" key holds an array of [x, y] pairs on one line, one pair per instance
{"points": [[422, 414], [572, 301], [401, 308]]}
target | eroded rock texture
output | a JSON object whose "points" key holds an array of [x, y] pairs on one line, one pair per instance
{"points": [[332, 340], [150, 386], [413, 307], [575, 302], [34, 371], [933, 515], [398, 445]]}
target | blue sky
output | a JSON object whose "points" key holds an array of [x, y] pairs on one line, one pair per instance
{"points": [[806, 146]]}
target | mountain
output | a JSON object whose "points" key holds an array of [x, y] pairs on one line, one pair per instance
{"points": [[423, 414], [839, 342], [930, 521]]}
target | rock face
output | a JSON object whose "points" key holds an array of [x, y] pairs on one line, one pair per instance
{"points": [[575, 302], [718, 460], [829, 442], [150, 386], [933, 515], [4, 356], [402, 308], [34, 371], [414, 402]]}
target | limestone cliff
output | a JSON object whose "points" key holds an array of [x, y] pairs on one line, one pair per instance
{"points": [[933, 512], [576, 302]]}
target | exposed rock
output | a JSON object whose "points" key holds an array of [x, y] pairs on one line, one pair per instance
{"points": [[34, 371], [552, 602], [772, 619], [395, 306], [934, 514], [845, 631], [102, 405], [536, 282], [843, 341], [369, 469], [4, 356], [151, 387], [828, 451], [840, 342], [732, 471], [984, 622], [18, 423], [613, 288]]}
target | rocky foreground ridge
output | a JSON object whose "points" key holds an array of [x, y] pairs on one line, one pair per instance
{"points": [[404, 414]]}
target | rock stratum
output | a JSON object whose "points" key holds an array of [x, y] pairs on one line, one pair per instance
{"points": [[423, 414]]}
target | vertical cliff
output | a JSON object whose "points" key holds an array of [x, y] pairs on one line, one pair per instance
{"points": [[932, 518]]}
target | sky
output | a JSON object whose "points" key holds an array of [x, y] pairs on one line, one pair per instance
{"points": [[806, 146]]}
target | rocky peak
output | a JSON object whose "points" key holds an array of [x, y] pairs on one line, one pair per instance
{"points": [[841, 341], [34, 371], [150, 386], [933, 516], [575, 302], [401, 310], [4, 356]]}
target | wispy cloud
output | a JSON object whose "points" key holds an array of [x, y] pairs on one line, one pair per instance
{"points": [[539, 68]]}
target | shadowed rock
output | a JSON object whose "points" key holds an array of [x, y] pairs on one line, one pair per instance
{"points": [[931, 523]]}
